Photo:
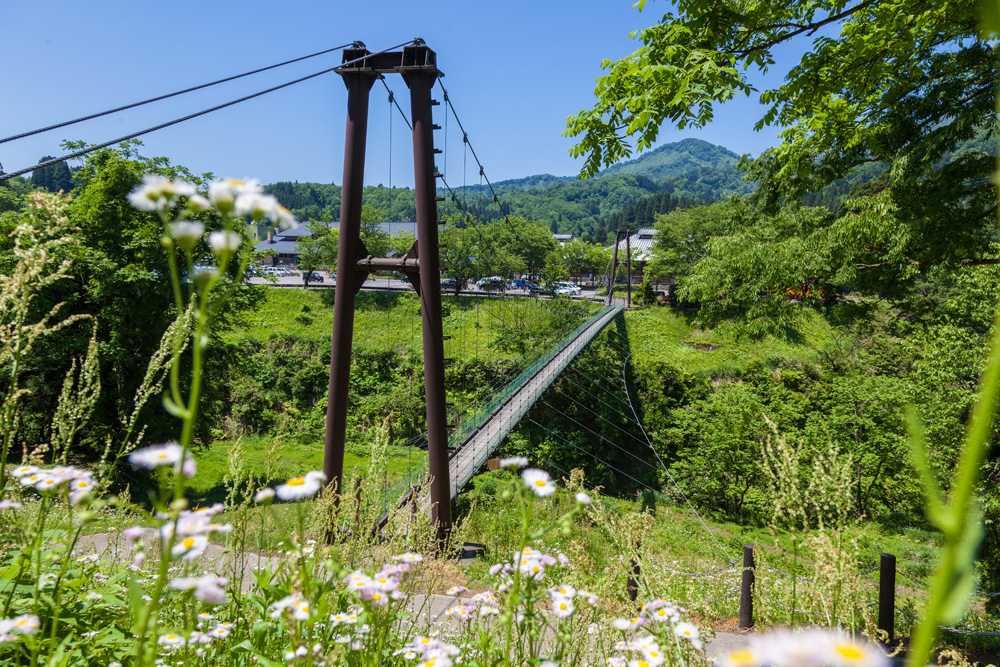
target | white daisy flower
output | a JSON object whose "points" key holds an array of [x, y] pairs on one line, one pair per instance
{"points": [[224, 243], [25, 624], [190, 547], [256, 205], [583, 498], [264, 496], [298, 488], [33, 479], [157, 193], [409, 557], [170, 640], [93, 596], [539, 482], [158, 455], [688, 631], [514, 462], [562, 607], [219, 632], [21, 471], [187, 233]]}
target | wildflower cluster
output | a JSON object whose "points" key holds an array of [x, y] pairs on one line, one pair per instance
{"points": [[76, 483]]}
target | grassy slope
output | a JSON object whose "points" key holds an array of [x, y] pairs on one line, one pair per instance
{"points": [[663, 334]]}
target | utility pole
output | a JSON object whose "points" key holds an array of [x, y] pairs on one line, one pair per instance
{"points": [[614, 270], [628, 266], [418, 65]]}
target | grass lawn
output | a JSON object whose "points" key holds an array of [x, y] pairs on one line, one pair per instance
{"points": [[272, 460], [667, 335]]}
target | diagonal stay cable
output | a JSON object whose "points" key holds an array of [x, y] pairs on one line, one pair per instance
{"points": [[674, 481], [584, 390], [619, 471], [392, 98], [482, 171], [600, 417], [610, 442], [169, 95], [91, 149], [597, 384]]}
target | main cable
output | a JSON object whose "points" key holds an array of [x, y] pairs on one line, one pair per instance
{"points": [[169, 95], [91, 149]]}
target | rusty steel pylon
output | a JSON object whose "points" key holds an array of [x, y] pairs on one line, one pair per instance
{"points": [[418, 66]]}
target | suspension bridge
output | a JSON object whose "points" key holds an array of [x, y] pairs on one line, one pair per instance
{"points": [[457, 441]]}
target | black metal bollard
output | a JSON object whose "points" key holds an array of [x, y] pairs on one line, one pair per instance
{"points": [[632, 583], [746, 590], [887, 595]]}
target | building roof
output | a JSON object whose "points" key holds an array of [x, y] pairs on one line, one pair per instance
{"points": [[641, 243]]}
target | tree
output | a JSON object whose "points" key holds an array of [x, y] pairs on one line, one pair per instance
{"points": [[375, 238], [318, 249], [682, 237], [121, 278], [897, 83], [54, 178]]}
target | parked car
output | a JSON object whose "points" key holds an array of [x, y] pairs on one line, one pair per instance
{"points": [[405, 279], [314, 277], [566, 288], [449, 284], [535, 288], [490, 284]]}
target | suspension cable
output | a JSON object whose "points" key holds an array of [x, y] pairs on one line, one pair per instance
{"points": [[91, 149], [169, 95], [482, 171]]}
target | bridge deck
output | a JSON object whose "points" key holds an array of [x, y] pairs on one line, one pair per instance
{"points": [[477, 446]]}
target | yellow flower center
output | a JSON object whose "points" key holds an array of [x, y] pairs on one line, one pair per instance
{"points": [[741, 657], [161, 456], [296, 481], [81, 485], [540, 482], [188, 543], [849, 651]]}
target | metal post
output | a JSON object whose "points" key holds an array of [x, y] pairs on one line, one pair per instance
{"points": [[887, 596], [746, 590], [359, 83], [420, 82], [628, 266], [632, 583], [614, 270]]}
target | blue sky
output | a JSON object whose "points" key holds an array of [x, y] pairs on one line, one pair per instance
{"points": [[515, 70]]}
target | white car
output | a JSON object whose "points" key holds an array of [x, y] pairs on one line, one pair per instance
{"points": [[567, 288]]}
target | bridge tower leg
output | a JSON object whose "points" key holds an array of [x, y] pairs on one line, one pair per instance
{"points": [[359, 83], [420, 82]]}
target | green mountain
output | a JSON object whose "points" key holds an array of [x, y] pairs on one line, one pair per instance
{"points": [[694, 167], [679, 174]]}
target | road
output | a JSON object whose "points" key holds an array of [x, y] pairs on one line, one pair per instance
{"points": [[382, 283]]}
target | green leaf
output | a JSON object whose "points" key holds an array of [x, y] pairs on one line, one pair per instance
{"points": [[989, 17]]}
